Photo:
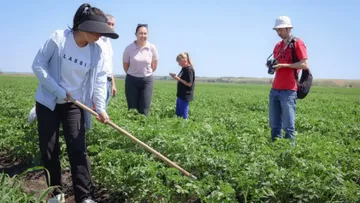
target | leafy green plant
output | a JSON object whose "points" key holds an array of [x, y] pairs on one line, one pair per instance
{"points": [[225, 143]]}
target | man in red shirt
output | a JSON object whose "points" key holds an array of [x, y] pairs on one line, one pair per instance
{"points": [[282, 98]]}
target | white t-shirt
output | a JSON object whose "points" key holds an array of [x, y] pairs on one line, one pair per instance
{"points": [[106, 47], [75, 64]]}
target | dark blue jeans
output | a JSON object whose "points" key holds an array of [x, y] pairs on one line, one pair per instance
{"points": [[182, 108], [282, 111]]}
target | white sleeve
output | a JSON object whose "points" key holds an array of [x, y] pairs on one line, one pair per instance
{"points": [[99, 96], [40, 68]]}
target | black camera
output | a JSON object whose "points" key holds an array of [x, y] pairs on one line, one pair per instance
{"points": [[270, 63]]}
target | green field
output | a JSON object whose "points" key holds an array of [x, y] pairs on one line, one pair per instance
{"points": [[225, 144]]}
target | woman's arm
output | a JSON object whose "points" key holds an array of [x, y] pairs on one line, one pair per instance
{"points": [[183, 81], [155, 58], [190, 76], [126, 66], [154, 65], [126, 60], [99, 95], [41, 64]]}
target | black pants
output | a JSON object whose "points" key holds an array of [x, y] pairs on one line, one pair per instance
{"points": [[72, 119], [139, 92]]}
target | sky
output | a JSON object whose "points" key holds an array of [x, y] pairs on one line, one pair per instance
{"points": [[223, 37]]}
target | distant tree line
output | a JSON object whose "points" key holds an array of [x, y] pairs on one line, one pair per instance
{"points": [[264, 81]]}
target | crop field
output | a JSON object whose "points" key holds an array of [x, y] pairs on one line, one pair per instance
{"points": [[225, 143]]}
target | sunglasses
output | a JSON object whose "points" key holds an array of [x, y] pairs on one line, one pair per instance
{"points": [[142, 25]]}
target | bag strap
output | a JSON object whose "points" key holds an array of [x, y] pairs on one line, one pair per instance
{"points": [[281, 51], [294, 57]]}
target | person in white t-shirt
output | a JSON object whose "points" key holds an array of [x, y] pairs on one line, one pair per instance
{"points": [[71, 65], [106, 46]]}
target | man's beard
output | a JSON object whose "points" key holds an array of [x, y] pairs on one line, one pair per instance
{"points": [[284, 36]]}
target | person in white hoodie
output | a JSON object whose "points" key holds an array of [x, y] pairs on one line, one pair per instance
{"points": [[106, 47], [71, 64]]}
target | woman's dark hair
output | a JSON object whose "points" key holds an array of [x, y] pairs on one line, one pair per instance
{"points": [[85, 10], [139, 26]]}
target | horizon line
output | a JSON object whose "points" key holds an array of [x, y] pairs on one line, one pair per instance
{"points": [[210, 77]]}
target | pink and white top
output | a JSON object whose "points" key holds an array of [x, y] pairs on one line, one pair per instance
{"points": [[140, 59]]}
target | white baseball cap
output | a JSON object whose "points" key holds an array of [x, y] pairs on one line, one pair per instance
{"points": [[282, 22]]}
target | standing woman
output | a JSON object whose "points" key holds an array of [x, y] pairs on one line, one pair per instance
{"points": [[70, 63], [140, 60]]}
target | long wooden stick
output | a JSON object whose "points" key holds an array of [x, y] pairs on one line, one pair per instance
{"points": [[160, 156]]}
